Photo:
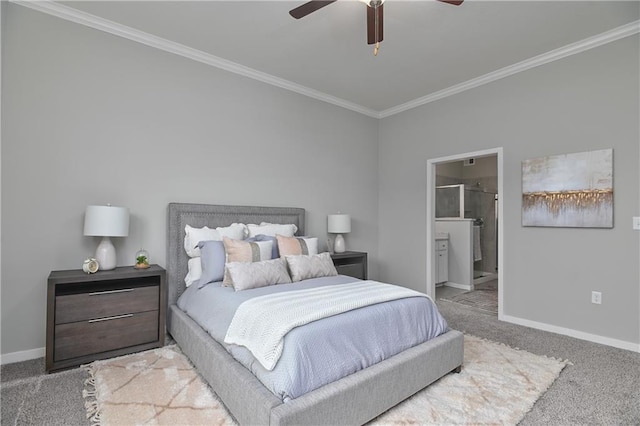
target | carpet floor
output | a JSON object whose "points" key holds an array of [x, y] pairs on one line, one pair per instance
{"points": [[600, 387]]}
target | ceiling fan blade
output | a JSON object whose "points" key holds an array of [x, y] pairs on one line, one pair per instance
{"points": [[371, 24], [453, 2], [309, 7]]}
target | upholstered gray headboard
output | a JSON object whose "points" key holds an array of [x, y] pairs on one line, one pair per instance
{"points": [[199, 215]]}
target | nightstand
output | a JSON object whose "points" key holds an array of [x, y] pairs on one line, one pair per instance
{"points": [[102, 315], [352, 263]]}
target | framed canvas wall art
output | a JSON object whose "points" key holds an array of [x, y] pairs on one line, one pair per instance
{"points": [[569, 190]]}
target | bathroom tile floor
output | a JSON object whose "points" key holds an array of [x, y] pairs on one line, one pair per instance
{"points": [[484, 296], [445, 292]]}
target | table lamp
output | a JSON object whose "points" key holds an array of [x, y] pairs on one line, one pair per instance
{"points": [[106, 221], [339, 224]]}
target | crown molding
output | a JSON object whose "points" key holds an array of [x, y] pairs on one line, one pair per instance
{"points": [[70, 14], [553, 55]]}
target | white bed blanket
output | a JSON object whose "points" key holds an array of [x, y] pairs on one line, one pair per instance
{"points": [[261, 323]]}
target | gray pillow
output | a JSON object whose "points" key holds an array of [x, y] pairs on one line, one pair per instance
{"points": [[248, 275], [303, 267], [274, 249], [212, 259]]}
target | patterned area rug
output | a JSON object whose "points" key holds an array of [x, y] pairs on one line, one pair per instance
{"points": [[497, 385], [153, 387], [484, 296]]}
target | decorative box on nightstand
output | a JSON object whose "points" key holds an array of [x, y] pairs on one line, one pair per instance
{"points": [[352, 263], [102, 315]]}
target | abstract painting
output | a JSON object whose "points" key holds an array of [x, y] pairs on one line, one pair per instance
{"points": [[569, 190]]}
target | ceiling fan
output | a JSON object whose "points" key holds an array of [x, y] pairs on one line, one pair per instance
{"points": [[375, 9]]}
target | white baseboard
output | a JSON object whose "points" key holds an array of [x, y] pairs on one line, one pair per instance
{"points": [[621, 344], [456, 285], [12, 357]]}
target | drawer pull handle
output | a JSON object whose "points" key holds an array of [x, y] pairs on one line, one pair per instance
{"points": [[111, 318], [98, 293]]}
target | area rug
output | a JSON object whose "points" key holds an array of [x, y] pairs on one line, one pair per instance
{"points": [[498, 385], [484, 296]]}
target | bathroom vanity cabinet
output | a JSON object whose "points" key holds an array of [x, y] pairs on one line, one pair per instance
{"points": [[442, 261]]}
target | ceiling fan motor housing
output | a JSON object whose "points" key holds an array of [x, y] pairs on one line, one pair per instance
{"points": [[374, 3], [375, 14]]}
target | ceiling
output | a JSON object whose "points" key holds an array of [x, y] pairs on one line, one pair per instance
{"points": [[428, 47]]}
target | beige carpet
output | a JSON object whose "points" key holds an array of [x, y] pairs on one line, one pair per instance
{"points": [[497, 386]]}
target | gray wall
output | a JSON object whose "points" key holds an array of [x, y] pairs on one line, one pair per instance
{"points": [[584, 102], [90, 118]]}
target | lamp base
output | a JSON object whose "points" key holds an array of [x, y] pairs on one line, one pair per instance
{"points": [[338, 244], [106, 254]]}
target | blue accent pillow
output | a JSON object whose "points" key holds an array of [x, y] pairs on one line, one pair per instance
{"points": [[212, 259], [274, 248]]}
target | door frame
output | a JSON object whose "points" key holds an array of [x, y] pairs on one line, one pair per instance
{"points": [[431, 199]]}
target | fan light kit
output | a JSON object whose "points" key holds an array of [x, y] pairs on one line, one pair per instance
{"points": [[375, 9]]}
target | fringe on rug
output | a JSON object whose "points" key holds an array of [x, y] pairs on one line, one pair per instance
{"points": [[564, 361], [89, 395]]}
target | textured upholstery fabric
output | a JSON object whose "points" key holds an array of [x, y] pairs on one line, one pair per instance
{"points": [[352, 400], [199, 215], [245, 397], [362, 396]]}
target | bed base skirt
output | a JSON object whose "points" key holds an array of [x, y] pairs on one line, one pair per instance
{"points": [[354, 399]]}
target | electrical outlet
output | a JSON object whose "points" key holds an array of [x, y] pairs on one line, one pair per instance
{"points": [[596, 297], [636, 223]]}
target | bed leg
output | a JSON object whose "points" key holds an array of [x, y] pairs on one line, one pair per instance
{"points": [[457, 370]]}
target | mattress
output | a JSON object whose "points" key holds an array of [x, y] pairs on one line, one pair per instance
{"points": [[323, 351]]}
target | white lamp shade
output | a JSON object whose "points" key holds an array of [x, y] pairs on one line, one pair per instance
{"points": [[106, 221], [338, 223]]}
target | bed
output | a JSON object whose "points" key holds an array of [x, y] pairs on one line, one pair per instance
{"points": [[354, 399]]}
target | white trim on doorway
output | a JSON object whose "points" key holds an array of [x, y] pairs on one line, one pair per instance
{"points": [[431, 200]]}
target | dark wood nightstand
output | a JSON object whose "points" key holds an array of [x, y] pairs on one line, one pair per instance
{"points": [[352, 263], [102, 315]]}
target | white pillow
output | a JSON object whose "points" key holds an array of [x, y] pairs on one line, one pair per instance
{"points": [[250, 275], [304, 267], [271, 229], [195, 271], [192, 236]]}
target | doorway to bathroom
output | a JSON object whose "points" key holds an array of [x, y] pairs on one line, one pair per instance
{"points": [[464, 230]]}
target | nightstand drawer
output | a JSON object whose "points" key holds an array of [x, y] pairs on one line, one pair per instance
{"points": [[351, 263], [106, 303], [102, 315], [91, 337], [355, 270]]}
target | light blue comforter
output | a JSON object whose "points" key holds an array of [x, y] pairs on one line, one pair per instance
{"points": [[323, 351]]}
